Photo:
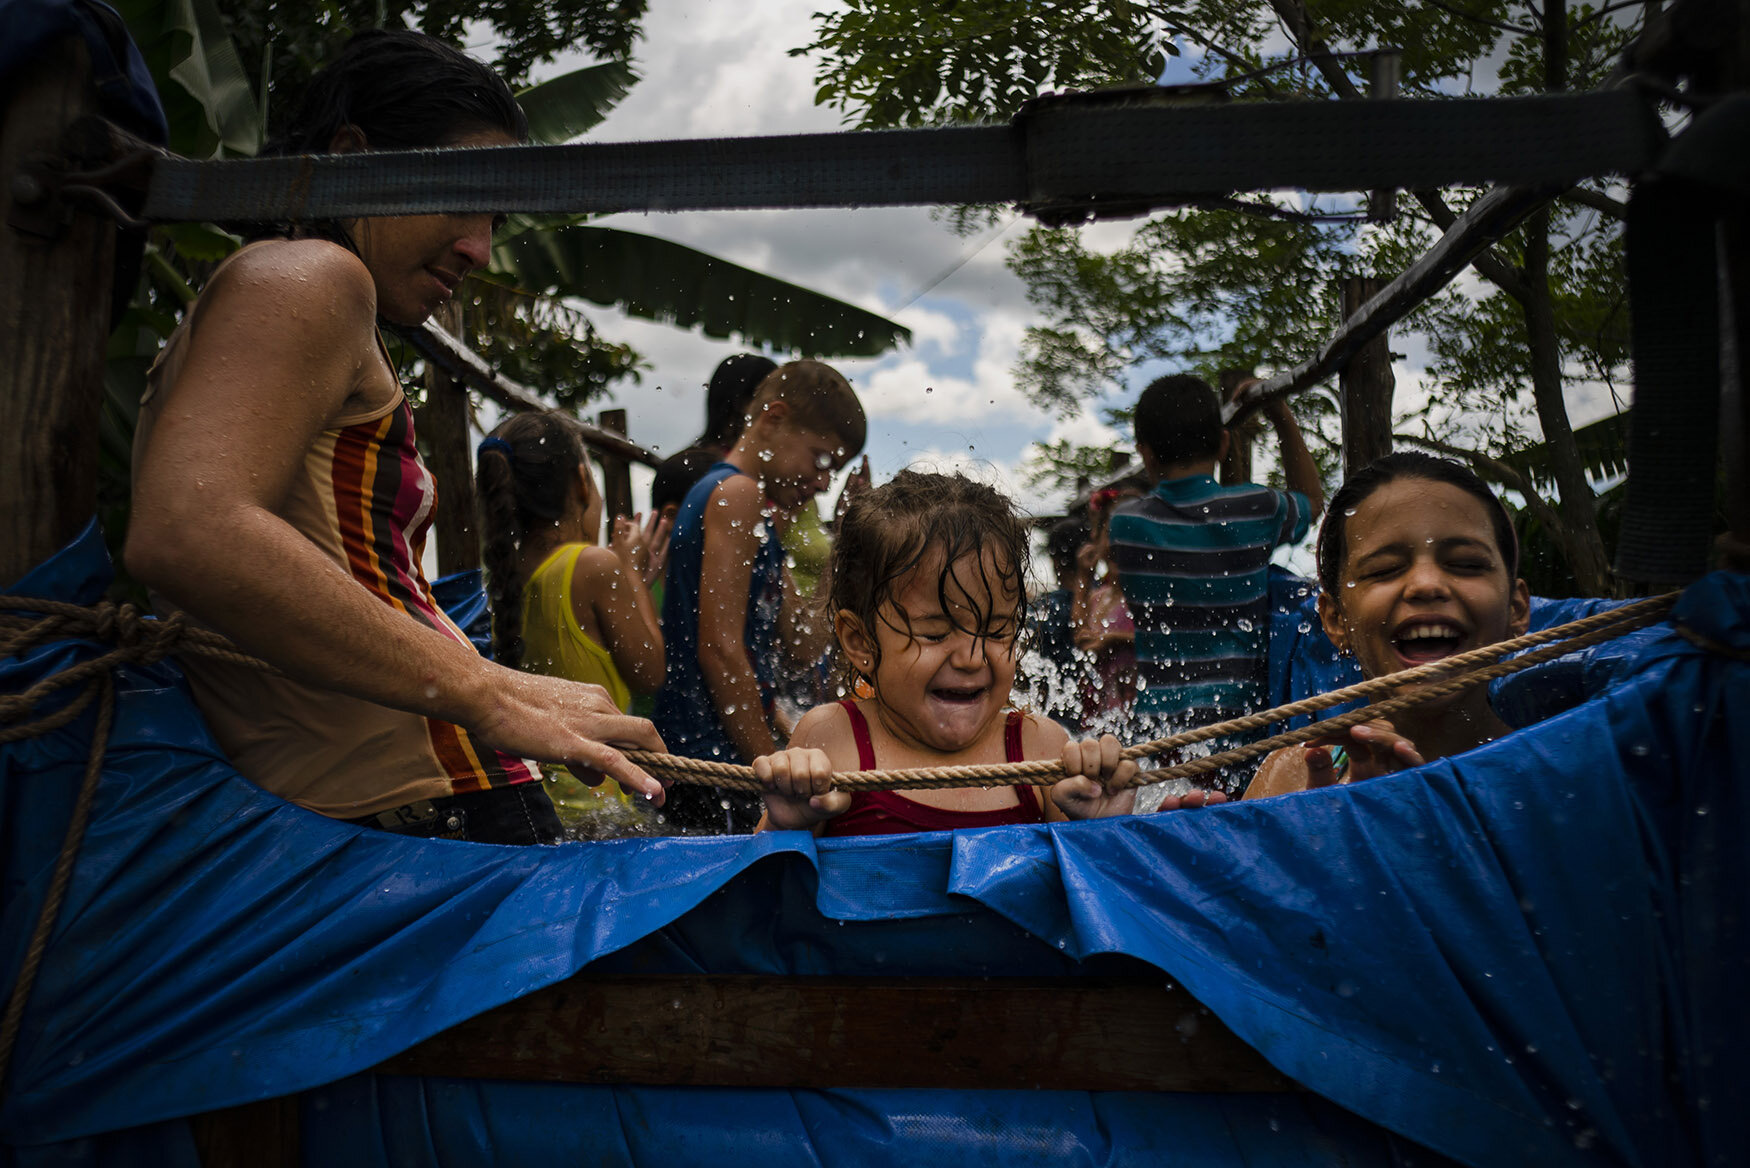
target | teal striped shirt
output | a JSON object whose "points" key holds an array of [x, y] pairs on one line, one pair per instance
{"points": [[1193, 561]]}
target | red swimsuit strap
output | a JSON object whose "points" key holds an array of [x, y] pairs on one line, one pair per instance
{"points": [[860, 731], [1025, 795]]}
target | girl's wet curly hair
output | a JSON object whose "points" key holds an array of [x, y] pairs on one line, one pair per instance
{"points": [[890, 530]]}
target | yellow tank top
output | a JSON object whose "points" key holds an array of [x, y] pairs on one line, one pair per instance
{"points": [[553, 642]]}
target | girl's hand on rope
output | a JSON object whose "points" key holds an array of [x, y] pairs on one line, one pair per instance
{"points": [[1375, 748], [1098, 778], [799, 794], [550, 719]]}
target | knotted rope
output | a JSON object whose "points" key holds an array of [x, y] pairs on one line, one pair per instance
{"points": [[140, 639]]}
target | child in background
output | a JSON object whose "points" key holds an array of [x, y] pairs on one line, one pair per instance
{"points": [[1104, 629], [730, 608], [562, 605], [1193, 556], [927, 587], [1051, 626], [1417, 562]]}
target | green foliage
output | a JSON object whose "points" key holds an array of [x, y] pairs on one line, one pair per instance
{"points": [[285, 42], [1205, 289], [566, 106], [903, 64], [207, 95], [659, 280], [1064, 464], [539, 341]]}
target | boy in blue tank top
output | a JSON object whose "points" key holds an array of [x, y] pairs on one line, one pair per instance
{"points": [[730, 610]]}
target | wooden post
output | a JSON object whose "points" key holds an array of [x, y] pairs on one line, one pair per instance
{"points": [[1367, 385], [268, 1134], [1237, 466], [1734, 76], [443, 429], [54, 316], [616, 471]]}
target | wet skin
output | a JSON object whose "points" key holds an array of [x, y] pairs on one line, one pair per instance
{"points": [[945, 670]]}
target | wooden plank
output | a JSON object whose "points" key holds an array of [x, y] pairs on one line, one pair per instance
{"points": [[616, 471], [1367, 386], [443, 432], [1018, 1033], [54, 316], [265, 1134]]}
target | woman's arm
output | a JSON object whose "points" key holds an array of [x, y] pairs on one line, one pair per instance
{"points": [[610, 583], [285, 338]]}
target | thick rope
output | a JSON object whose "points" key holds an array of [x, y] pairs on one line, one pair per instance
{"points": [[101, 687], [141, 639], [1561, 640]]}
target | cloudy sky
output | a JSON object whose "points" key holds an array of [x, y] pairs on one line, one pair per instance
{"points": [[723, 70], [711, 68]]}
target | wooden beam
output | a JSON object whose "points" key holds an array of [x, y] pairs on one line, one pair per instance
{"points": [[1017, 1033], [266, 1134], [54, 316], [462, 363], [616, 471], [443, 432], [1366, 384], [1488, 219]]}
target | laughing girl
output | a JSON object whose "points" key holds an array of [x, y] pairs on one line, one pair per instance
{"points": [[1417, 562], [927, 593]]}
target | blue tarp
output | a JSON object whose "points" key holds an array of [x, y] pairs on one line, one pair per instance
{"points": [[1533, 951]]}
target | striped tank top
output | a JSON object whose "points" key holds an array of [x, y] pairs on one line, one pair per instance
{"points": [[365, 498]]}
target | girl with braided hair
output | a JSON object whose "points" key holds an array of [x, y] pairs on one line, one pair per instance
{"points": [[564, 605]]}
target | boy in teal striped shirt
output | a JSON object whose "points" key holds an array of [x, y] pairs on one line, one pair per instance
{"points": [[1193, 557]]}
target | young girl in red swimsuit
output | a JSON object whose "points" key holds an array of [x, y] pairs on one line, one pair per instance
{"points": [[927, 594]]}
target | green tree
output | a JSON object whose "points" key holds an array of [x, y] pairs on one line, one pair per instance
{"points": [[1215, 286]]}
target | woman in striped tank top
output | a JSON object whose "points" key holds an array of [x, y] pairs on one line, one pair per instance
{"points": [[279, 497]]}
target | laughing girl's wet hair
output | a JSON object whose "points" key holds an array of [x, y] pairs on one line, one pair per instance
{"points": [[526, 473], [890, 530], [1406, 464]]}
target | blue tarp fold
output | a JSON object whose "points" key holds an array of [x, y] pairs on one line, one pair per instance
{"points": [[1532, 951]]}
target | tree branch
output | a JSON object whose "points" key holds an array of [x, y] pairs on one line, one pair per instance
{"points": [[1228, 55], [1485, 21], [1492, 468], [1598, 201]]}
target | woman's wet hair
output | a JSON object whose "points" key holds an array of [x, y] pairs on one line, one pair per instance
{"points": [[1406, 464], [891, 529], [401, 90], [526, 474]]}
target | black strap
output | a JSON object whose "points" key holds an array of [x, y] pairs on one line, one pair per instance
{"points": [[1059, 153], [1673, 274]]}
